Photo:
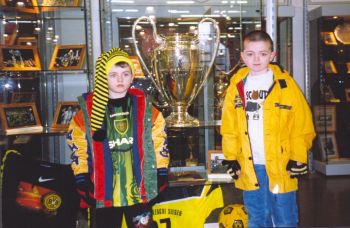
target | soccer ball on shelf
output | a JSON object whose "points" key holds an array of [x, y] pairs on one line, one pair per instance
{"points": [[233, 215]]}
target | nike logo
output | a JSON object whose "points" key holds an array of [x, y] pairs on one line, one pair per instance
{"points": [[41, 179]]}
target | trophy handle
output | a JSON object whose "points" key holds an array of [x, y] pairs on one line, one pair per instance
{"points": [[216, 48], [158, 40]]}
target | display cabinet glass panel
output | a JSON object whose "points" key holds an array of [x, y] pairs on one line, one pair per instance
{"points": [[330, 82], [44, 59], [189, 146]]}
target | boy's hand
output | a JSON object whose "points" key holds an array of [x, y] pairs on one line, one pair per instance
{"points": [[85, 189], [163, 183], [296, 169], [233, 168]]}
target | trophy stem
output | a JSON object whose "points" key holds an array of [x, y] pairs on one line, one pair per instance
{"points": [[179, 117]]}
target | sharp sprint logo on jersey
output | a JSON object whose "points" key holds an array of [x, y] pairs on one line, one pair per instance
{"points": [[121, 141]]}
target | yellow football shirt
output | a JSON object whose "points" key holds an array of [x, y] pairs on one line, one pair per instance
{"points": [[190, 211]]}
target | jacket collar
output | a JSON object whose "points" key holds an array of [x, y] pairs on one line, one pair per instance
{"points": [[242, 73]]}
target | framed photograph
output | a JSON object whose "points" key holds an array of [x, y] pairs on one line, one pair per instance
{"points": [[23, 97], [28, 6], [68, 57], [27, 40], [329, 38], [215, 167], [329, 67], [64, 113], [328, 145], [20, 118], [325, 118], [49, 5], [138, 69], [19, 58]]}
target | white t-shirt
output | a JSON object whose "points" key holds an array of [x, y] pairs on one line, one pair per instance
{"points": [[256, 89]]}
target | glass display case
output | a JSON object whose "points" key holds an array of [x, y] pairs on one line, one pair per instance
{"points": [[330, 83], [44, 66], [189, 146]]}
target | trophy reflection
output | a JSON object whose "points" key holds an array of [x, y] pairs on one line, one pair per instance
{"points": [[181, 64]]}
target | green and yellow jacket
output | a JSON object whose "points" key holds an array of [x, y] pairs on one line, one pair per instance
{"points": [[93, 157], [288, 130]]}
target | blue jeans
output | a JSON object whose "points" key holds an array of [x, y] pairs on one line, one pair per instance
{"points": [[266, 209]]}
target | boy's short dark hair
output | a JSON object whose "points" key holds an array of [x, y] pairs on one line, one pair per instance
{"points": [[258, 35], [122, 64]]}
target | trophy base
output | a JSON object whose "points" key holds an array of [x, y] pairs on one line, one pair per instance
{"points": [[191, 162], [181, 119]]}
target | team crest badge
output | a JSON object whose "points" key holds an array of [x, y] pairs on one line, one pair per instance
{"points": [[52, 202], [121, 125]]}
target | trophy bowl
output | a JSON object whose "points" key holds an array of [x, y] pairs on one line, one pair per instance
{"points": [[181, 64]]}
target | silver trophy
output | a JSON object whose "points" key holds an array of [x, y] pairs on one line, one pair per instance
{"points": [[181, 65]]}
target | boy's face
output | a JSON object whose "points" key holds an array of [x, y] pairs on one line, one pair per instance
{"points": [[119, 81], [257, 55]]}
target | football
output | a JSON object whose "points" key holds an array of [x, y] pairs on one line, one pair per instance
{"points": [[233, 215]]}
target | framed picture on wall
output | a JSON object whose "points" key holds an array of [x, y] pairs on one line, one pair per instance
{"points": [[49, 5], [64, 113], [329, 67], [23, 97], [215, 168], [325, 118], [20, 118], [329, 38], [28, 6], [68, 57], [328, 145], [19, 58]]}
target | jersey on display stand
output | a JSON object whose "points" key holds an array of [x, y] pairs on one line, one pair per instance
{"points": [[37, 193], [190, 211]]}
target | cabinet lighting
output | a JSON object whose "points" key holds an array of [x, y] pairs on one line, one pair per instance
{"points": [[178, 11], [200, 15], [122, 1], [131, 10], [179, 2], [20, 4]]}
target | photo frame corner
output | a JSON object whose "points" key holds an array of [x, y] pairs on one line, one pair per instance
{"points": [[57, 120], [328, 146], [17, 127], [325, 118], [330, 67], [33, 52], [55, 63], [210, 154]]}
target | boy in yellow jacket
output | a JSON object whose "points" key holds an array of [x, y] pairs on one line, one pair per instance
{"points": [[267, 130]]}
